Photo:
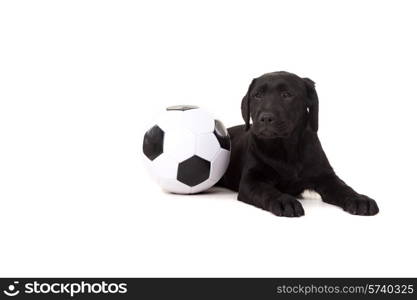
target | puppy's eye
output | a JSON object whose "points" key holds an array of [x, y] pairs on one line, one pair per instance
{"points": [[286, 95], [258, 95]]}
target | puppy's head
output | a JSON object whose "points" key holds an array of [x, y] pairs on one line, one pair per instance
{"points": [[278, 103]]}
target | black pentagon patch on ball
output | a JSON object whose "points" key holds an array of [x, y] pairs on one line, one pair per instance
{"points": [[221, 134], [193, 171], [153, 142], [182, 107]]}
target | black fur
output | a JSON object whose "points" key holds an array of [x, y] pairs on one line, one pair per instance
{"points": [[279, 156]]}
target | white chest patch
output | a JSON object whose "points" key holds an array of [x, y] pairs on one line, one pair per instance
{"points": [[310, 194]]}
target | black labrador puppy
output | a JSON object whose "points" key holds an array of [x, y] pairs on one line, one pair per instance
{"points": [[278, 157]]}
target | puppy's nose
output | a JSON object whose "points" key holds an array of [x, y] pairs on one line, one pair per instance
{"points": [[266, 118]]}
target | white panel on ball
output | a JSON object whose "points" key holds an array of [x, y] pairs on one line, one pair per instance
{"points": [[148, 165], [202, 186], [198, 120], [179, 143], [219, 165], [207, 146], [170, 119], [174, 186], [164, 166]]}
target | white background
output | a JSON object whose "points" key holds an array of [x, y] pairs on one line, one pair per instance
{"points": [[79, 81]]}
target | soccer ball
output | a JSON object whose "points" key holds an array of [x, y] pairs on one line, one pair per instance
{"points": [[186, 151]]}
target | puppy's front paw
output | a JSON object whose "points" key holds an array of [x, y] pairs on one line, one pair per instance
{"points": [[287, 206], [360, 205]]}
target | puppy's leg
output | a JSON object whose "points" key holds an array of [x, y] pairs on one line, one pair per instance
{"points": [[256, 191], [334, 191]]}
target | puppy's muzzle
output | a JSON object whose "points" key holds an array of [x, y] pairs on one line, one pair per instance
{"points": [[266, 119], [270, 126]]}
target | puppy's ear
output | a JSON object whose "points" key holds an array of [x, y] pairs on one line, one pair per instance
{"points": [[312, 104], [245, 106]]}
